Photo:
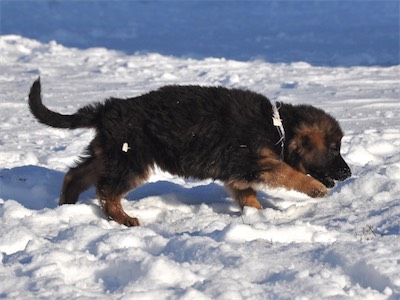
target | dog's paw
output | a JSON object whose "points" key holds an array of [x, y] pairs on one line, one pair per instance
{"points": [[125, 219], [131, 222], [315, 189], [328, 182]]}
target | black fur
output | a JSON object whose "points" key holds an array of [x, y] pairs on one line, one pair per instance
{"points": [[189, 131], [83, 118]]}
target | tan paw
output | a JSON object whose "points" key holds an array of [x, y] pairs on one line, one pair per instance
{"points": [[315, 189], [131, 222], [252, 203]]}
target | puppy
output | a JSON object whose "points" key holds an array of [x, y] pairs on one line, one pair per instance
{"points": [[231, 135]]}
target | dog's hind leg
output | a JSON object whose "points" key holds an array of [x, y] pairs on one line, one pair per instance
{"points": [[112, 207], [110, 192], [246, 196], [79, 179]]}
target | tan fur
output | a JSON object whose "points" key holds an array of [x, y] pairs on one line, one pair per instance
{"points": [[113, 209], [245, 197]]}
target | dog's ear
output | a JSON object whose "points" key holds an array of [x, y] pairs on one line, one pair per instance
{"points": [[306, 139], [314, 140], [307, 147], [295, 145], [295, 153]]}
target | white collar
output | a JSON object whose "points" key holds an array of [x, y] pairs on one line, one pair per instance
{"points": [[277, 122]]}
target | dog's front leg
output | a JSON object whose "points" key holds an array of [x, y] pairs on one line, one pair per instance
{"points": [[280, 174]]}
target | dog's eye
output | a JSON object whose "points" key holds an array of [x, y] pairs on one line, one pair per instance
{"points": [[334, 151]]}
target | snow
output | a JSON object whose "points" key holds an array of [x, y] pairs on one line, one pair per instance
{"points": [[194, 242]]}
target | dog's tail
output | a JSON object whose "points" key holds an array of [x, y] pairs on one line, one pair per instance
{"points": [[83, 118]]}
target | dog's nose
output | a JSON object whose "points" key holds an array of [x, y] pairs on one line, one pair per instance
{"points": [[340, 169], [344, 173]]}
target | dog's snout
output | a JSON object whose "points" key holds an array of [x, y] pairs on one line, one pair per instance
{"points": [[339, 169], [344, 173]]}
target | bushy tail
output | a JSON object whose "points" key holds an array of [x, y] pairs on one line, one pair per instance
{"points": [[83, 118]]}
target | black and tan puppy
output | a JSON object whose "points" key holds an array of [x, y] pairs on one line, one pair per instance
{"points": [[199, 132]]}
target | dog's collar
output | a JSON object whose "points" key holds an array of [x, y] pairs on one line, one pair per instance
{"points": [[277, 122]]}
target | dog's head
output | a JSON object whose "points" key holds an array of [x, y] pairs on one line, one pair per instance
{"points": [[314, 149]]}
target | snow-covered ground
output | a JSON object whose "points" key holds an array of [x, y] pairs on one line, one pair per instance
{"points": [[194, 243]]}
